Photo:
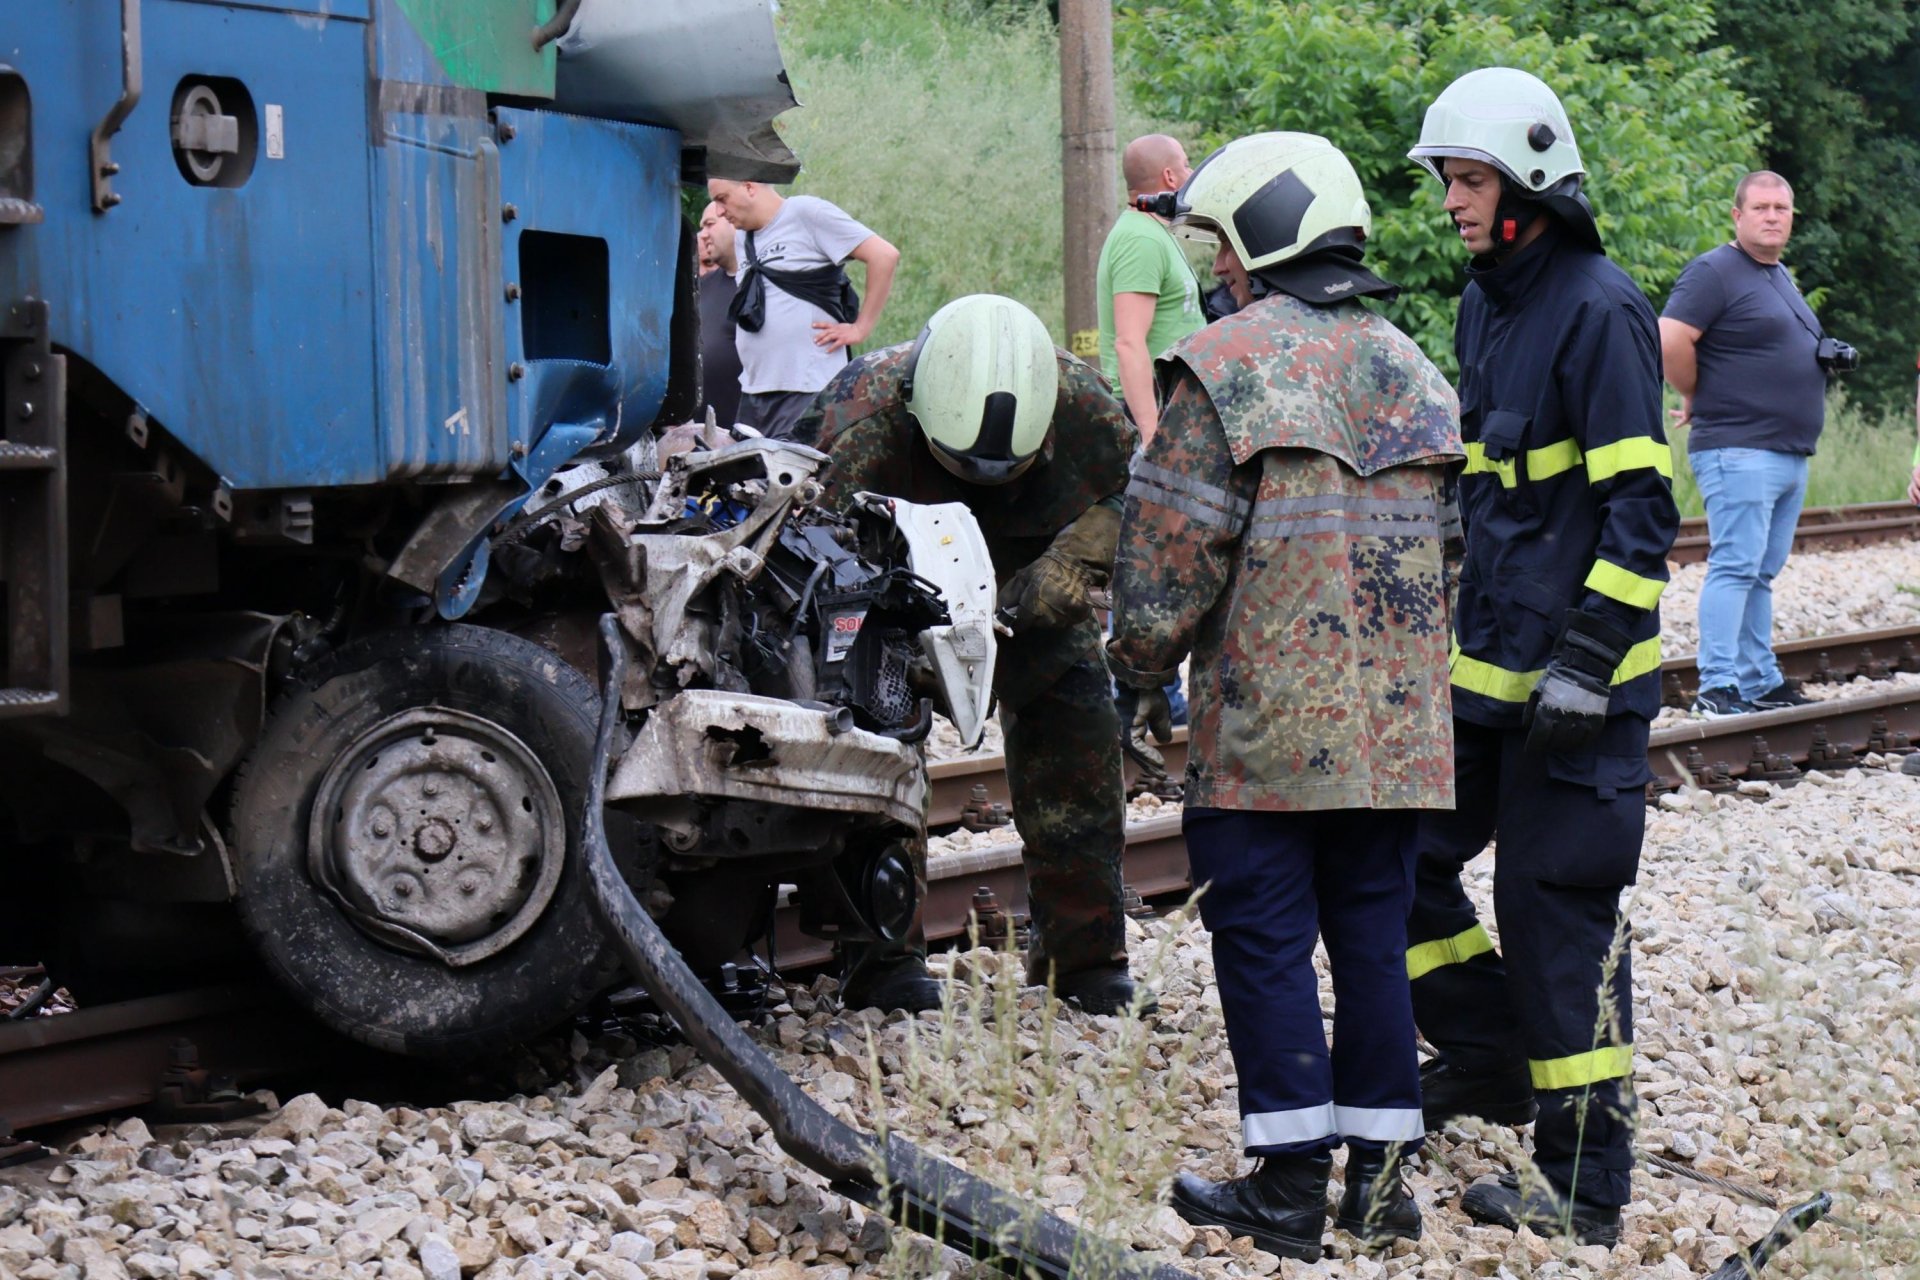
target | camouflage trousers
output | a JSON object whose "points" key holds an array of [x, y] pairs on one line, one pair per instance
{"points": [[1062, 743], [1069, 806]]}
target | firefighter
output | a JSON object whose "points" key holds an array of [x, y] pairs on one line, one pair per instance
{"points": [[1566, 498], [984, 410], [1285, 527]]}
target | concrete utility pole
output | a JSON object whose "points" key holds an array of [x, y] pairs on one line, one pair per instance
{"points": [[1088, 177]]}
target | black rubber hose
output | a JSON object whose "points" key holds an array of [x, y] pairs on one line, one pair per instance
{"points": [[927, 1195], [1746, 1264], [556, 26]]}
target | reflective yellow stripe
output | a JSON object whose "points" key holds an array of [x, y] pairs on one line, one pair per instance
{"points": [[1542, 464], [1479, 464], [1640, 659], [1609, 460], [1428, 956], [1610, 1063], [1610, 580], [1549, 461], [1476, 676]]}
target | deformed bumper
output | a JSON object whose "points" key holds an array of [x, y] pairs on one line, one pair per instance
{"points": [[709, 744]]}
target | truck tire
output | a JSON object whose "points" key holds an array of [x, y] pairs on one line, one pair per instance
{"points": [[406, 841]]}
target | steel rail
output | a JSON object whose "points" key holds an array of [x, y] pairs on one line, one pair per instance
{"points": [[1819, 528], [1826, 734], [115, 1057], [1822, 735], [1817, 660]]}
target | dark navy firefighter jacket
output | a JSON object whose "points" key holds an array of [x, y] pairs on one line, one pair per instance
{"points": [[1567, 495]]}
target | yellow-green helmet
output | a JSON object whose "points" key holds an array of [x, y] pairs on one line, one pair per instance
{"points": [[981, 384], [1275, 197]]}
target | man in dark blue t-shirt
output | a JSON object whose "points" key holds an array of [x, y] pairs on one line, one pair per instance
{"points": [[1738, 342]]}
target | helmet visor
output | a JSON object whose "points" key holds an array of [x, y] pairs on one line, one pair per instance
{"points": [[1195, 229], [1434, 157], [976, 470]]}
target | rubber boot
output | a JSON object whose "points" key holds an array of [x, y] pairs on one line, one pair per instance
{"points": [[1282, 1204], [1498, 1097], [1376, 1206], [1502, 1202], [1103, 990]]}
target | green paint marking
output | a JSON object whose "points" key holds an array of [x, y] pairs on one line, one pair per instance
{"points": [[487, 44]]}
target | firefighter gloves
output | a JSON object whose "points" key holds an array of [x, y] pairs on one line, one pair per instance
{"points": [[1569, 705]]}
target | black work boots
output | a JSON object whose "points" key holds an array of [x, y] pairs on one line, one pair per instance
{"points": [[1282, 1204], [1107, 990], [1505, 1203], [1502, 1097], [1376, 1206], [901, 982], [891, 983]]}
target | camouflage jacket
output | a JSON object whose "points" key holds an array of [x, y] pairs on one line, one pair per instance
{"points": [[1285, 527], [860, 422]]}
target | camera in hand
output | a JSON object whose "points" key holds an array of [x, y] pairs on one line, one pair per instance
{"points": [[1836, 356]]}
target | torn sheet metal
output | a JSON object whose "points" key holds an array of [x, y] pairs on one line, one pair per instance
{"points": [[769, 750], [711, 70]]}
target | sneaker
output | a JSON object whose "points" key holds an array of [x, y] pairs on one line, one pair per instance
{"points": [[1785, 694], [1725, 700]]}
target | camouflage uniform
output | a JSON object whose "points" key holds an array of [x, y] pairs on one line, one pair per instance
{"points": [[1286, 534], [1056, 709], [1285, 526]]}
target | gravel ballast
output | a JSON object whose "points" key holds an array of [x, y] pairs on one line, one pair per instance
{"points": [[1775, 938]]}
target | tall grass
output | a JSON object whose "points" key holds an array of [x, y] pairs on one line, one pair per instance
{"points": [[937, 123], [1863, 457]]}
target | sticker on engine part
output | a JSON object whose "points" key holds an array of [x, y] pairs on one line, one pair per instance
{"points": [[276, 132], [842, 630]]}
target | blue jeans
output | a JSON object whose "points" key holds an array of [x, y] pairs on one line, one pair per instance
{"points": [[1753, 501]]}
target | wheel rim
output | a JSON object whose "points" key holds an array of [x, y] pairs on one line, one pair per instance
{"points": [[439, 832]]}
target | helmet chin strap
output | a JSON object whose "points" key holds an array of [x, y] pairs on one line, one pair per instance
{"points": [[1511, 218]]}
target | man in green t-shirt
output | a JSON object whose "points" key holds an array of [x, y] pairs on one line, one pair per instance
{"points": [[1149, 299]]}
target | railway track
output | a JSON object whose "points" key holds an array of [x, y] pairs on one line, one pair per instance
{"points": [[1819, 529], [980, 781], [188, 1054], [1719, 754]]}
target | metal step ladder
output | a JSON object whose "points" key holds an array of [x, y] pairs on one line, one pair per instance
{"points": [[33, 512]]}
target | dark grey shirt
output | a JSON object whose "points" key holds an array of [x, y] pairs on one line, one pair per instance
{"points": [[719, 358], [1759, 385]]}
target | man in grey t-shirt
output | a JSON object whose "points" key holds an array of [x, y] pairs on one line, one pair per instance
{"points": [[1738, 342], [793, 326]]}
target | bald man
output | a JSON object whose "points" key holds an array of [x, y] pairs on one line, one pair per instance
{"points": [[1149, 299]]}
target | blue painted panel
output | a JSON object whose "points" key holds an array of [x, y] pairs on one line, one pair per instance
{"points": [[617, 182], [241, 319], [437, 232], [356, 9]]}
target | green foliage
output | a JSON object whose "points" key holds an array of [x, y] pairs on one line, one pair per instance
{"points": [[937, 123], [1662, 128], [1840, 83]]}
